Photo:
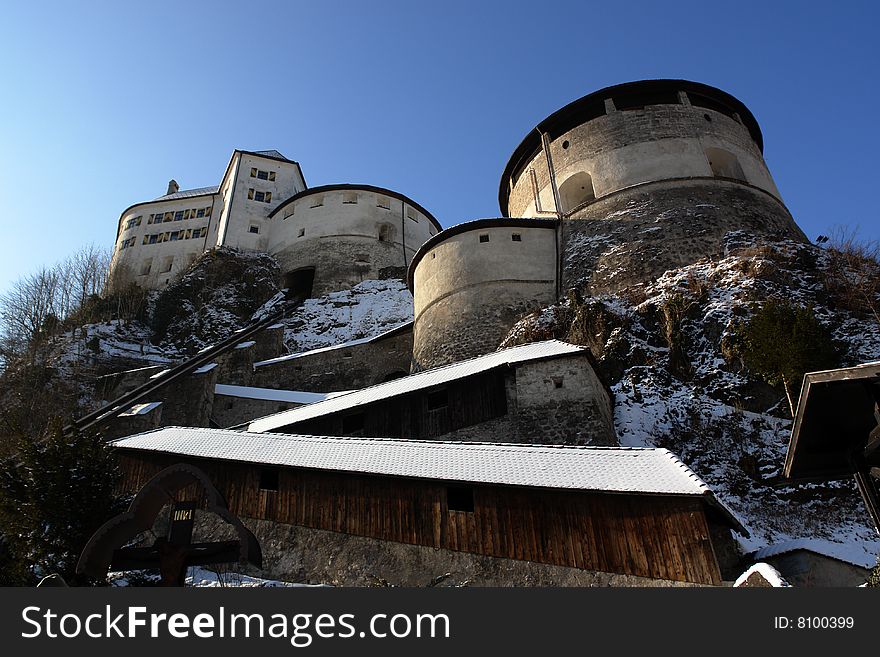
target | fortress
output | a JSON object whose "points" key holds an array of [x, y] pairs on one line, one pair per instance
{"points": [[613, 189]]}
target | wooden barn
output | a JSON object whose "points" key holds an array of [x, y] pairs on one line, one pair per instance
{"points": [[634, 512], [548, 389]]}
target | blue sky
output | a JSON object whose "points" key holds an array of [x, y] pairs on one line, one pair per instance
{"points": [[103, 103]]}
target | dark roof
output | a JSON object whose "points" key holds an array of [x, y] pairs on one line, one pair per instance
{"points": [[833, 423], [272, 153], [477, 224], [584, 109], [188, 193], [353, 187]]}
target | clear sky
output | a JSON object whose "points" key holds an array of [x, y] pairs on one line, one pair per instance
{"points": [[104, 102]]}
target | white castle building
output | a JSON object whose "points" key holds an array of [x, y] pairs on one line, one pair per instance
{"points": [[325, 238]]}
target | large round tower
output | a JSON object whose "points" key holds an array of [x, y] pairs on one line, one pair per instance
{"points": [[647, 176]]}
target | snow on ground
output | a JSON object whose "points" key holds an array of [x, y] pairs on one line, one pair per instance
{"points": [[738, 453], [202, 578], [366, 310]]}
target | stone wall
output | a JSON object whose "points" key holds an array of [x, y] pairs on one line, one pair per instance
{"points": [[300, 554], [229, 411], [636, 235], [340, 368]]}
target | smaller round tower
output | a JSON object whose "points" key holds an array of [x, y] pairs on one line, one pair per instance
{"points": [[333, 237], [472, 282]]}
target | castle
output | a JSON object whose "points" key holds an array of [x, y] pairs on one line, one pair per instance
{"points": [[612, 189]]}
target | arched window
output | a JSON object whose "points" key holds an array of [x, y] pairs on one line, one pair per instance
{"points": [[576, 190], [724, 164]]}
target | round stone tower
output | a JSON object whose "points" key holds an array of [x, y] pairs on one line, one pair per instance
{"points": [[646, 176], [472, 282], [333, 237]]}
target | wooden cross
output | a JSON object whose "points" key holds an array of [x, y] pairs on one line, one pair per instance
{"points": [[174, 553]]}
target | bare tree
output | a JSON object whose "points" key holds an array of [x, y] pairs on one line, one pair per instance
{"points": [[852, 275]]}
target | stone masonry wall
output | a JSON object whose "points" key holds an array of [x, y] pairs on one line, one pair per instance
{"points": [[300, 554], [638, 234], [577, 413], [344, 368]]}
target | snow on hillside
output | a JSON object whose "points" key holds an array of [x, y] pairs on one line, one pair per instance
{"points": [[366, 310], [114, 339], [729, 427]]}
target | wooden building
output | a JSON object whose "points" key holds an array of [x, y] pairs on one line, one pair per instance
{"points": [[544, 389], [638, 512]]}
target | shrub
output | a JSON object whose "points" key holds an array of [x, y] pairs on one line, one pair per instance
{"points": [[782, 342]]}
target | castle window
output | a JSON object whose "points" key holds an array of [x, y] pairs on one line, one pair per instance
{"points": [[145, 268], [484, 237], [724, 164], [460, 498], [386, 233], [271, 176], [263, 175], [557, 381], [200, 213], [207, 212], [383, 202], [317, 201], [576, 190], [133, 221], [199, 232], [302, 231], [438, 399], [253, 172], [188, 234], [176, 236], [350, 197], [259, 196], [254, 229], [269, 479], [167, 265], [169, 216], [411, 214], [352, 424], [153, 239], [516, 237]]}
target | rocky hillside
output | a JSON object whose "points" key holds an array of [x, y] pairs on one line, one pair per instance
{"points": [[667, 350]]}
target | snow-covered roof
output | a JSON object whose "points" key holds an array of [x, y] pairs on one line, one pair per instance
{"points": [[768, 572], [140, 409], [609, 469], [188, 193], [270, 394], [420, 381], [204, 369], [246, 344], [343, 345], [854, 553]]}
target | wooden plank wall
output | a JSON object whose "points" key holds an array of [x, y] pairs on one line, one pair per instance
{"points": [[472, 400], [661, 537]]}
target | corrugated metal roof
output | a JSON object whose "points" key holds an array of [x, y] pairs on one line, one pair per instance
{"points": [[420, 381], [610, 469], [187, 193]]}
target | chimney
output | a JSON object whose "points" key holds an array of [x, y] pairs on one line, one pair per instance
{"points": [[173, 187]]}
